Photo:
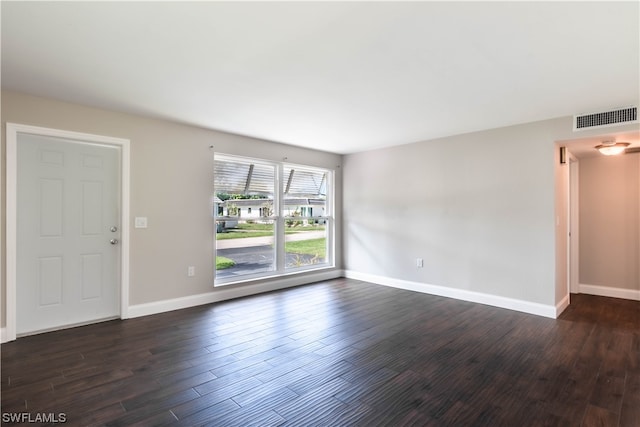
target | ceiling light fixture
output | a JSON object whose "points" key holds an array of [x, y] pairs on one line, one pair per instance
{"points": [[611, 148]]}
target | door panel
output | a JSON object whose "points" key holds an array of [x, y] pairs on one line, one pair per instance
{"points": [[49, 281], [67, 203], [91, 267]]}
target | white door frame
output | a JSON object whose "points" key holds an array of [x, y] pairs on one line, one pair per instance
{"points": [[11, 212], [574, 225]]}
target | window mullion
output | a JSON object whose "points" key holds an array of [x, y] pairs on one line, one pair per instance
{"points": [[330, 213], [279, 231]]}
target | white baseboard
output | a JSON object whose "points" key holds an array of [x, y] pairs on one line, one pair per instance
{"points": [[460, 294], [230, 292], [3, 335], [562, 305], [605, 291]]}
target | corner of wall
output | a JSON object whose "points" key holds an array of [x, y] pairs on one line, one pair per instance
{"points": [[562, 305]]}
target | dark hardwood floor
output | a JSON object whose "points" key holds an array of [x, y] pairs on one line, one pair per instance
{"points": [[337, 353]]}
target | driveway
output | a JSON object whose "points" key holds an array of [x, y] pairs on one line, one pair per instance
{"points": [[257, 259]]}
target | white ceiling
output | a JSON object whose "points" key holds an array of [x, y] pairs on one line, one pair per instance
{"points": [[338, 76]]}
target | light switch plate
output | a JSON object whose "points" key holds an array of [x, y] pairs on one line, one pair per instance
{"points": [[140, 222]]}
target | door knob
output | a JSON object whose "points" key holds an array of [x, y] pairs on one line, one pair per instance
{"points": [[113, 241]]}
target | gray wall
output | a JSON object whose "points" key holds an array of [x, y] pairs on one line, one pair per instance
{"points": [[486, 211], [171, 184], [610, 221], [481, 209]]}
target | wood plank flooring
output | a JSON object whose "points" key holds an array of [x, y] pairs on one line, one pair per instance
{"points": [[337, 353]]}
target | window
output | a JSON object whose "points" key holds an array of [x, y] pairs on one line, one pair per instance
{"points": [[271, 218], [305, 190]]}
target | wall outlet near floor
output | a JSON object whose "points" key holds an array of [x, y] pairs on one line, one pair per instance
{"points": [[191, 271], [419, 262]]}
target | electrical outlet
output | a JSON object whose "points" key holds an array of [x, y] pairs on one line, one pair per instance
{"points": [[419, 262], [140, 222], [191, 271]]}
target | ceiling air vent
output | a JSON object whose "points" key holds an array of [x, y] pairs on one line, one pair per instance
{"points": [[606, 118]]}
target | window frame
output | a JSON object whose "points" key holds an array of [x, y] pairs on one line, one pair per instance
{"points": [[279, 218]]}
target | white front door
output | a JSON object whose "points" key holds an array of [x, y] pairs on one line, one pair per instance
{"points": [[67, 233]]}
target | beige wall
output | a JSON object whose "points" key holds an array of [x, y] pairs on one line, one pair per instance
{"points": [[610, 221], [171, 184]]}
